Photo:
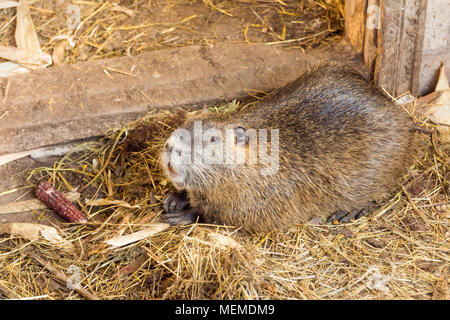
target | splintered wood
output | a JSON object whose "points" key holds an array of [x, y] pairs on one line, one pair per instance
{"points": [[28, 54]]}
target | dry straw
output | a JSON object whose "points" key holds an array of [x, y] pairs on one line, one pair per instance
{"points": [[104, 29], [400, 251]]}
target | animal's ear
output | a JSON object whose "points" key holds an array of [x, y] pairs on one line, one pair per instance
{"points": [[240, 135]]}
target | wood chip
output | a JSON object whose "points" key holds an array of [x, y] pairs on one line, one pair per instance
{"points": [[26, 37], [225, 241], [137, 236], [27, 41], [8, 4], [106, 202], [32, 231], [31, 60]]}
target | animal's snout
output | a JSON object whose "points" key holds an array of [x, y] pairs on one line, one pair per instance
{"points": [[169, 147]]}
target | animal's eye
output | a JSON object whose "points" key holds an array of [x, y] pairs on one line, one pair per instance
{"points": [[213, 138]]}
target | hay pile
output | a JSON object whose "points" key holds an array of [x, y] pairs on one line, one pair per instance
{"points": [[401, 251]]}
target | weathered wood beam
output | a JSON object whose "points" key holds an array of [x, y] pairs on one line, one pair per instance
{"points": [[399, 51], [403, 42], [436, 44], [62, 104]]}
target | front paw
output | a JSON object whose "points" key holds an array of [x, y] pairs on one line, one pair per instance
{"points": [[175, 202], [178, 210]]}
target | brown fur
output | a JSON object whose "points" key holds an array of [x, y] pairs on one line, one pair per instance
{"points": [[342, 145]]}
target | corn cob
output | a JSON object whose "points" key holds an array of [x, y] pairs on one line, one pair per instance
{"points": [[56, 201]]}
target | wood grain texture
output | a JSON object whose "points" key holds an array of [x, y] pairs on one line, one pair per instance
{"points": [[398, 45], [66, 103], [355, 23], [406, 48], [372, 23]]}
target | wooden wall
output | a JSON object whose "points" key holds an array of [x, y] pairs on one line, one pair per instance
{"points": [[403, 42]]}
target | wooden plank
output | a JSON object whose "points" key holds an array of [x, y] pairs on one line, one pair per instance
{"points": [[436, 45], [62, 104], [372, 25], [403, 42], [355, 23], [399, 45]]}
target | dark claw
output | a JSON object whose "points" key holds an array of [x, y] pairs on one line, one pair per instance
{"points": [[177, 209], [181, 218], [349, 216], [337, 216], [343, 217], [364, 212]]}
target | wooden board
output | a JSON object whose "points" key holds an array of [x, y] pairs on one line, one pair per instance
{"points": [[355, 18], [436, 44], [62, 104], [399, 49], [403, 42]]}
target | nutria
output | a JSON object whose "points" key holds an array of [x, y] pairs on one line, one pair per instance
{"points": [[341, 145]]}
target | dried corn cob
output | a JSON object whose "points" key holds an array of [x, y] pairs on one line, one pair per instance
{"points": [[56, 201]]}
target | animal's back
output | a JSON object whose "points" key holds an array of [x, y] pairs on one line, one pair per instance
{"points": [[341, 140], [342, 144]]}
